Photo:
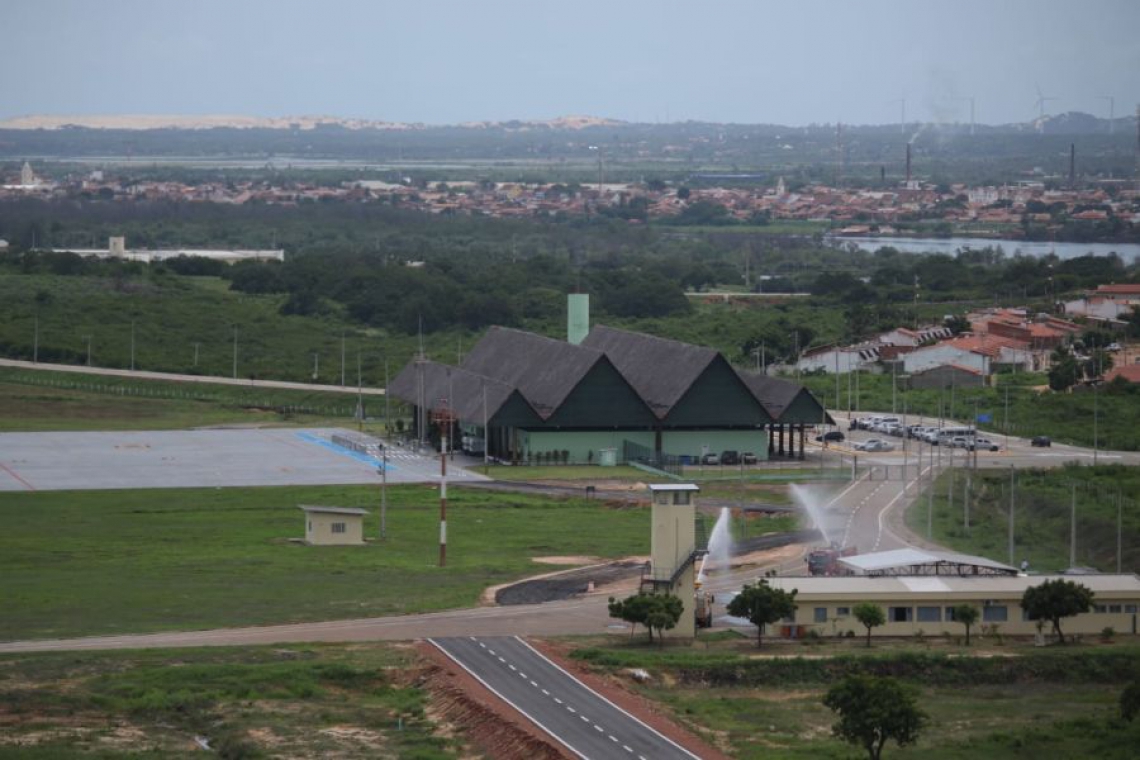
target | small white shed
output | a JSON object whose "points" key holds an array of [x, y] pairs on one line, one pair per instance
{"points": [[333, 526]]}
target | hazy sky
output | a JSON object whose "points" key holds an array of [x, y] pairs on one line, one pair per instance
{"points": [[444, 61]]}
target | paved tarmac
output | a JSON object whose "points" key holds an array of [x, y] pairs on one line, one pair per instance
{"points": [[60, 461], [583, 721]]}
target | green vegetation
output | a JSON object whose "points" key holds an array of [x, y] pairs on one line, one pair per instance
{"points": [[656, 612], [1043, 506], [298, 701], [1032, 409], [108, 562], [1056, 600], [873, 711], [1008, 703], [40, 400], [762, 605]]}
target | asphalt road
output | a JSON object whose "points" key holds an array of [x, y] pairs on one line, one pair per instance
{"points": [[579, 718]]}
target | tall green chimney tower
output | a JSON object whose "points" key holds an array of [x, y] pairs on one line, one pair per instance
{"points": [[577, 317]]}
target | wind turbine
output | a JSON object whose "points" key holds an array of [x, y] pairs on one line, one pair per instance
{"points": [[1111, 112], [1042, 99]]}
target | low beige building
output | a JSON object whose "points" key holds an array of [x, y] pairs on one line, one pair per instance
{"points": [[914, 603], [333, 526]]}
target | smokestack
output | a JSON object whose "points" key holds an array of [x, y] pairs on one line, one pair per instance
{"points": [[908, 164], [577, 317], [1072, 165]]}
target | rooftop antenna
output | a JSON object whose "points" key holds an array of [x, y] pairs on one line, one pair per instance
{"points": [[1111, 112]]}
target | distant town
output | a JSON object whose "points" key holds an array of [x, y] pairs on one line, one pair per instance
{"points": [[1030, 209]]}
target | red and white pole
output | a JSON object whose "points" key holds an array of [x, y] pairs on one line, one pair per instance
{"points": [[443, 501]]}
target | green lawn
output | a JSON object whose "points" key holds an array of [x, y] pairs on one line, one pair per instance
{"points": [[1042, 516], [43, 400], [1009, 701], [300, 701], [104, 562]]}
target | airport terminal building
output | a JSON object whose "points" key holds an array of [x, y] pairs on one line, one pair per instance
{"points": [[610, 394]]}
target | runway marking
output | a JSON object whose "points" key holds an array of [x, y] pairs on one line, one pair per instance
{"points": [[9, 470]]}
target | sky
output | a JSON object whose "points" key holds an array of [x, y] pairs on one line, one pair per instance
{"points": [[447, 61]]}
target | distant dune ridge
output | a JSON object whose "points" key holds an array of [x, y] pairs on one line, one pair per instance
{"points": [[154, 121]]}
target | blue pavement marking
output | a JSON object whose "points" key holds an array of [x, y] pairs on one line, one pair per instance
{"points": [[346, 452]]}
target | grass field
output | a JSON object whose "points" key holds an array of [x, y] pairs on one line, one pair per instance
{"points": [[981, 703], [1042, 510], [41, 400], [246, 703], [104, 562]]}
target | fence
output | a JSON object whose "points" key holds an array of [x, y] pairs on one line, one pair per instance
{"points": [[635, 453]]}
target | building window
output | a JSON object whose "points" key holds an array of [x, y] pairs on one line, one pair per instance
{"points": [[821, 614], [338, 528], [310, 526], [930, 614], [1130, 608], [900, 614], [1114, 608], [995, 613], [682, 497], [842, 611], [1100, 608]]}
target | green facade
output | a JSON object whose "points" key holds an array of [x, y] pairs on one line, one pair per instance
{"points": [[580, 443], [687, 443]]}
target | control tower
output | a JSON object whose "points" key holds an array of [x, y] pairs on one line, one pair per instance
{"points": [[674, 552]]}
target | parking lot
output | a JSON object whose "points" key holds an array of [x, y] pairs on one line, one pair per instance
{"points": [[196, 458]]}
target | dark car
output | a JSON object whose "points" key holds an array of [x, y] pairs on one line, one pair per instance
{"points": [[730, 457], [832, 436], [1041, 440]]}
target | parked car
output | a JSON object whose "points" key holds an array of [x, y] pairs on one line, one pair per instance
{"points": [[893, 428], [1041, 440], [832, 436], [912, 431], [984, 444], [1113, 347], [730, 457], [748, 458], [873, 445], [710, 459], [958, 442]]}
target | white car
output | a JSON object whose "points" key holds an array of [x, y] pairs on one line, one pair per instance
{"points": [[984, 444], [873, 445]]}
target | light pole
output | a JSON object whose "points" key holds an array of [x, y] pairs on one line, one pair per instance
{"points": [[88, 337], [36, 339], [235, 353], [384, 490], [132, 345]]}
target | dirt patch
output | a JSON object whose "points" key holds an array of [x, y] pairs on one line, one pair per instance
{"points": [[569, 583], [618, 693], [461, 706]]}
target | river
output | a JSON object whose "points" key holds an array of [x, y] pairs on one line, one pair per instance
{"points": [[1127, 251]]}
